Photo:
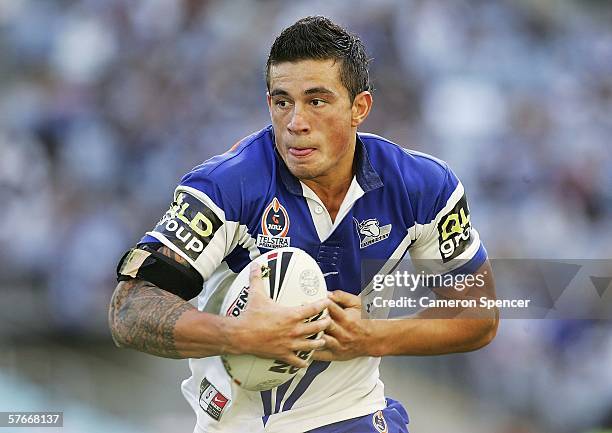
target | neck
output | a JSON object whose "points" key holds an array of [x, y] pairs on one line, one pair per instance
{"points": [[333, 189]]}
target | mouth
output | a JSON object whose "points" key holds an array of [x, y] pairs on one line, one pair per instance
{"points": [[301, 152]]}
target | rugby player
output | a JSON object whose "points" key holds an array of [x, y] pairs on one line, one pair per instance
{"points": [[311, 181]]}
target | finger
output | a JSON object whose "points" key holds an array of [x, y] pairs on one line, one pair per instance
{"points": [[255, 273], [256, 284], [345, 299], [295, 361], [306, 311], [330, 351], [312, 328], [306, 345], [335, 330], [336, 312]]}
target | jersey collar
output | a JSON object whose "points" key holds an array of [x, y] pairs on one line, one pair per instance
{"points": [[366, 176]]}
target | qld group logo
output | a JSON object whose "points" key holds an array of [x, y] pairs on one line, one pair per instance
{"points": [[371, 232], [454, 231], [274, 227], [189, 224]]}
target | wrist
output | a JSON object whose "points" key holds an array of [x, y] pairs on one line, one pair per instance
{"points": [[230, 333], [203, 334], [375, 346]]}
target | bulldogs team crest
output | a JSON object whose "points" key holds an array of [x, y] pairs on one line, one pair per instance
{"points": [[274, 227], [370, 232]]}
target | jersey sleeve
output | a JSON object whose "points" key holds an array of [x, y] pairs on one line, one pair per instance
{"points": [[196, 226], [446, 240]]}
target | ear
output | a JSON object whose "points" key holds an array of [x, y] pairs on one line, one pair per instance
{"points": [[361, 108], [269, 99]]}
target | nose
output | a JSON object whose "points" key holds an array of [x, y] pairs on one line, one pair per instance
{"points": [[298, 123]]}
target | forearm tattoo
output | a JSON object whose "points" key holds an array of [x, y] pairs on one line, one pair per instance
{"points": [[143, 317]]}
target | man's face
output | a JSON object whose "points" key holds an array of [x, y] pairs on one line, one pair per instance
{"points": [[313, 118]]}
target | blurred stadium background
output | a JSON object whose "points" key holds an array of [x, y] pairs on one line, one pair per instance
{"points": [[105, 104]]}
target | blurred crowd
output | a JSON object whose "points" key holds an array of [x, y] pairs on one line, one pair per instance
{"points": [[105, 104]]}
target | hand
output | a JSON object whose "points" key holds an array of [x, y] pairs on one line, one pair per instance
{"points": [[349, 336], [269, 330]]}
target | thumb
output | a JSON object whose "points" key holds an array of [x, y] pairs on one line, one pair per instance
{"points": [[345, 299], [256, 284]]}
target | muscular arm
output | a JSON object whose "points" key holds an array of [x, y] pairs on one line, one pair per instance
{"points": [[437, 331], [146, 318], [425, 333]]}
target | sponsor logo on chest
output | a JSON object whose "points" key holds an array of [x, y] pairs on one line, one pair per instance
{"points": [[274, 227]]}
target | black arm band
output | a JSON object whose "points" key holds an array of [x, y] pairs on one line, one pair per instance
{"points": [[147, 264]]}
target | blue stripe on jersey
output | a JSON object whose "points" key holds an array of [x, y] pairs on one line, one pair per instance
{"points": [[316, 368], [266, 399], [147, 239], [280, 393], [237, 258]]}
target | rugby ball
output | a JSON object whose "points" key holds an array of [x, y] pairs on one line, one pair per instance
{"points": [[291, 278]]}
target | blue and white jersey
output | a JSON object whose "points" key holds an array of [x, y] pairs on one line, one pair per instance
{"points": [[236, 206]]}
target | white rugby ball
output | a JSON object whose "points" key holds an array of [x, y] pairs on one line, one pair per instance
{"points": [[291, 278]]}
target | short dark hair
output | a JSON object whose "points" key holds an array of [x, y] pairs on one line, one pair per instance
{"points": [[319, 38]]}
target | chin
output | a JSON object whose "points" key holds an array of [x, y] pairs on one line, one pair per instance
{"points": [[303, 173]]}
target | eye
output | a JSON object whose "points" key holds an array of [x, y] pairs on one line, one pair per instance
{"points": [[281, 103], [317, 102]]}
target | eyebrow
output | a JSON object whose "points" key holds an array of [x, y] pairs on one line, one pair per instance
{"points": [[311, 91]]}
